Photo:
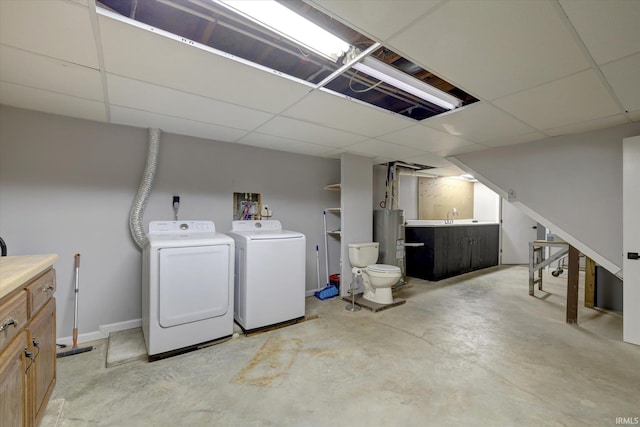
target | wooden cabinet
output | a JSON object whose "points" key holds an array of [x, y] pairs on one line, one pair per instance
{"points": [[42, 344], [27, 339], [13, 383], [451, 250]]}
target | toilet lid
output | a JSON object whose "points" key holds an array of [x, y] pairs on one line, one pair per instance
{"points": [[383, 268]]}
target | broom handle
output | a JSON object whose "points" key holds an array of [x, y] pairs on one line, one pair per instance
{"points": [[75, 312], [318, 264], [326, 245]]}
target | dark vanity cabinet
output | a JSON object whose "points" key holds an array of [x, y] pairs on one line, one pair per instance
{"points": [[450, 250]]}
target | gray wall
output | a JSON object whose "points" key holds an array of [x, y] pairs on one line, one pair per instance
{"points": [[67, 185], [571, 184], [407, 191]]}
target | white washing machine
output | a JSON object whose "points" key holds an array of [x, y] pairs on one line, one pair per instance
{"points": [[269, 273], [187, 286]]}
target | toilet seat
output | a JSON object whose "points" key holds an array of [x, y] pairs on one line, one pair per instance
{"points": [[383, 270]]}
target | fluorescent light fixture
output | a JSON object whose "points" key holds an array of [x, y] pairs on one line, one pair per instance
{"points": [[388, 74], [283, 21], [466, 177]]}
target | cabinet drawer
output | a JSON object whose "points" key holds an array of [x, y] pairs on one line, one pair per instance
{"points": [[13, 317], [40, 291]]}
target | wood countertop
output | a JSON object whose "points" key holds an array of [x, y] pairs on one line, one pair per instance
{"points": [[16, 270]]}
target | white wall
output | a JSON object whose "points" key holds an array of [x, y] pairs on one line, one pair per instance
{"points": [[631, 242], [357, 217], [66, 186], [571, 184], [408, 196], [407, 191], [486, 203]]}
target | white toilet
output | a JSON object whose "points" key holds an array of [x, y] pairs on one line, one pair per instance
{"points": [[378, 278]]}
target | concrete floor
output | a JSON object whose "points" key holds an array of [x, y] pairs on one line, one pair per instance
{"points": [[471, 350]]}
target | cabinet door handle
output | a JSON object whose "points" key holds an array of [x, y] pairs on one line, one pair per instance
{"points": [[413, 245], [10, 321], [48, 288]]}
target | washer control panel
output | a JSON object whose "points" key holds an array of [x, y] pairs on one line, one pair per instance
{"points": [[170, 227], [257, 225]]}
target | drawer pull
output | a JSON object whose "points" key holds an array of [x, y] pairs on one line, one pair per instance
{"points": [[48, 288], [7, 323]]}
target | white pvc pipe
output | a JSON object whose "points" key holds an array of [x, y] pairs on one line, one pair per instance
{"points": [[142, 196]]}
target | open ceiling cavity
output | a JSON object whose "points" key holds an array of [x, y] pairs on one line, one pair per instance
{"points": [[216, 26]]}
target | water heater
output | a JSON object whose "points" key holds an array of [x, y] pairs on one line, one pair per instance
{"points": [[388, 230]]}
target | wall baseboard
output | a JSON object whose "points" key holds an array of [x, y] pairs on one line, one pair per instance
{"points": [[120, 326], [102, 332]]}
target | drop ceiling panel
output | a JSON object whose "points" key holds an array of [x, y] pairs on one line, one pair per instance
{"points": [[43, 72], [459, 150], [145, 119], [181, 66], [334, 154], [624, 77], [147, 97], [51, 102], [609, 29], [335, 111], [59, 29], [515, 139], [283, 144], [590, 125], [379, 19], [308, 132], [425, 139], [479, 122], [447, 171], [376, 148], [429, 159], [574, 99], [493, 48]]}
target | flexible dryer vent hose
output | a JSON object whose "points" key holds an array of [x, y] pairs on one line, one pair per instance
{"points": [[142, 196]]}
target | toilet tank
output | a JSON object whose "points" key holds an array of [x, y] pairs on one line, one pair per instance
{"points": [[363, 254]]}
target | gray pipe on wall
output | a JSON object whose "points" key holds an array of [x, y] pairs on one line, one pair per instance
{"points": [[142, 196]]}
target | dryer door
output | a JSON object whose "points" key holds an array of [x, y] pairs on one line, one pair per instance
{"points": [[194, 284]]}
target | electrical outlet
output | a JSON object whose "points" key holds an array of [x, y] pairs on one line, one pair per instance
{"points": [[266, 212]]}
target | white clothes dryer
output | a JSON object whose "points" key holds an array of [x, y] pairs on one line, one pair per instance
{"points": [[269, 273], [187, 286]]}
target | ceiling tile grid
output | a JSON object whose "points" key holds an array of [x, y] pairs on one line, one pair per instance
{"points": [[143, 55], [283, 144], [624, 77], [51, 102], [515, 139], [573, 99], [55, 28], [479, 122], [380, 20], [147, 97], [335, 111], [425, 138], [609, 29], [309, 132], [42, 72], [493, 48], [541, 68], [177, 125], [589, 125], [377, 148]]}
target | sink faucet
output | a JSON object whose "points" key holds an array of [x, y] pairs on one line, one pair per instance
{"points": [[453, 213]]}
